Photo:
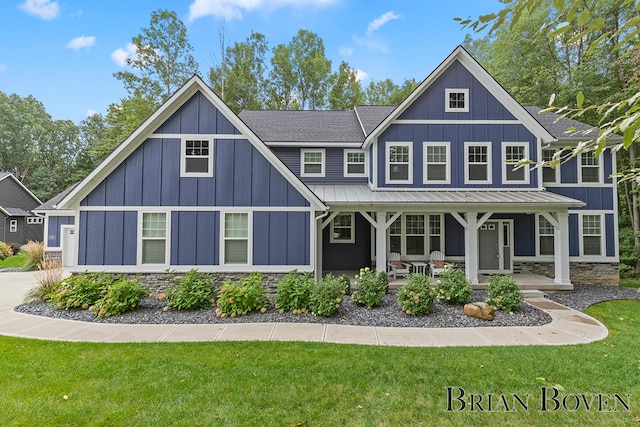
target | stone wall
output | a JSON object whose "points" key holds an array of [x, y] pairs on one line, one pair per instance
{"points": [[581, 273], [53, 256]]}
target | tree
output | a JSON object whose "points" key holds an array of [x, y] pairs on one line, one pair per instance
{"points": [[311, 68], [345, 89], [239, 78], [163, 59], [282, 80], [379, 92]]}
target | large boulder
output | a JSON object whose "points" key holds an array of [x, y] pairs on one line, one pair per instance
{"points": [[481, 310]]}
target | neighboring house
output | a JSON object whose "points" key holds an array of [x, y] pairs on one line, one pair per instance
{"points": [[198, 187], [18, 224], [59, 231]]}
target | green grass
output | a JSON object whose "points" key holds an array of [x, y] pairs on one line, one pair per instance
{"points": [[310, 384], [16, 261], [630, 282]]}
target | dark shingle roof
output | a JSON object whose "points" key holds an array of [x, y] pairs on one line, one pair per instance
{"points": [[16, 211], [304, 126], [372, 115], [3, 175], [559, 126], [51, 203]]}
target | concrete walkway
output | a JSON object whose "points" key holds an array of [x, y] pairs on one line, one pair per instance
{"points": [[568, 327]]}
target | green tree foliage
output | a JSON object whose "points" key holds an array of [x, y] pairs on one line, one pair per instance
{"points": [[311, 70], [345, 89], [239, 78], [386, 92], [282, 80], [163, 60]]}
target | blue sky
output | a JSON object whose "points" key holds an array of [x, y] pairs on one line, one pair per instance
{"points": [[64, 52]]}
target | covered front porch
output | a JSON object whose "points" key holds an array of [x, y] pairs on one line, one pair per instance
{"points": [[477, 230]]}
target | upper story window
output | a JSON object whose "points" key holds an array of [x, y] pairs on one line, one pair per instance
{"points": [[512, 153], [549, 174], [312, 163], [437, 168], [196, 158], [589, 168], [477, 163], [343, 228], [355, 163], [456, 100], [399, 165]]}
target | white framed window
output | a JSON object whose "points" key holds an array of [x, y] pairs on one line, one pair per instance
{"points": [[399, 164], [236, 238], [355, 163], [546, 236], [437, 167], [35, 220], [512, 153], [153, 247], [589, 168], [13, 226], [592, 236], [549, 174], [456, 100], [411, 235], [312, 162], [436, 236], [343, 228], [477, 163], [196, 157]]}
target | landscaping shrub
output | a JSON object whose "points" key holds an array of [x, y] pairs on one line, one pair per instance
{"points": [[240, 298], [79, 291], [503, 293], [346, 283], [35, 255], [327, 295], [416, 297], [293, 292], [48, 277], [5, 251], [15, 247], [453, 286], [194, 290], [122, 295], [370, 287]]}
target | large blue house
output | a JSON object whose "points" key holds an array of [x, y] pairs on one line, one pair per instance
{"points": [[197, 186]]}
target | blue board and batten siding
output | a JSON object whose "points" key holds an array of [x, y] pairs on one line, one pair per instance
{"points": [[54, 230], [149, 180]]}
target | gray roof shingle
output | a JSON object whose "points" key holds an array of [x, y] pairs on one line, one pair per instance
{"points": [[51, 203], [559, 126], [372, 115]]}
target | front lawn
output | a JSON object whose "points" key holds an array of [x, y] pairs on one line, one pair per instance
{"points": [[16, 261], [311, 384]]}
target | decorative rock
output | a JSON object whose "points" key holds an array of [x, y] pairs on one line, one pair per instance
{"points": [[481, 310]]}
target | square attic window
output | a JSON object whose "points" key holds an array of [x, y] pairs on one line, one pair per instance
{"points": [[456, 100]]}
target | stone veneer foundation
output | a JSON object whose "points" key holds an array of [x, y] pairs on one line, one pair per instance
{"points": [[581, 273]]}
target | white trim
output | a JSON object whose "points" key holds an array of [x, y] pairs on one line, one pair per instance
{"points": [[324, 144], [374, 159], [323, 162], [616, 231], [183, 158], [346, 163], [352, 227], [388, 145], [599, 167], [501, 246], [538, 235], [62, 239], [505, 165], [13, 226], [197, 136], [556, 170], [425, 145], [402, 217], [35, 220], [489, 163], [603, 241], [195, 208], [249, 239], [454, 122], [447, 106], [167, 239], [575, 184]]}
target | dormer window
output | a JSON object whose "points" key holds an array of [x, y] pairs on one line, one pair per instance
{"points": [[456, 100]]}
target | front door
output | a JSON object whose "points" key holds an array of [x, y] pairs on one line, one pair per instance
{"points": [[495, 246]]}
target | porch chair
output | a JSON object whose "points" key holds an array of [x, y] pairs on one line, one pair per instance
{"points": [[436, 263], [396, 266]]}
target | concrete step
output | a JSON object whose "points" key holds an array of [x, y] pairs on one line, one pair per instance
{"points": [[532, 293]]}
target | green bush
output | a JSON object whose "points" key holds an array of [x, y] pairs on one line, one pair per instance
{"points": [[122, 295], [327, 295], [370, 287], [5, 251], [453, 286], [80, 291], [416, 297], [503, 293], [194, 290], [293, 292], [346, 283], [240, 298]]}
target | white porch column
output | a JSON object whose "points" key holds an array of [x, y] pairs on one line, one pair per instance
{"points": [[381, 241], [561, 249], [318, 267], [471, 247]]}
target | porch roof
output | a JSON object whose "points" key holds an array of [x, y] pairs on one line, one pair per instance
{"points": [[503, 200]]}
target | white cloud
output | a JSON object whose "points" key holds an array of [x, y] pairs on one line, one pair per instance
{"points": [[91, 112], [360, 75], [380, 21], [120, 55], [346, 51], [234, 9], [43, 9], [82, 41]]}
